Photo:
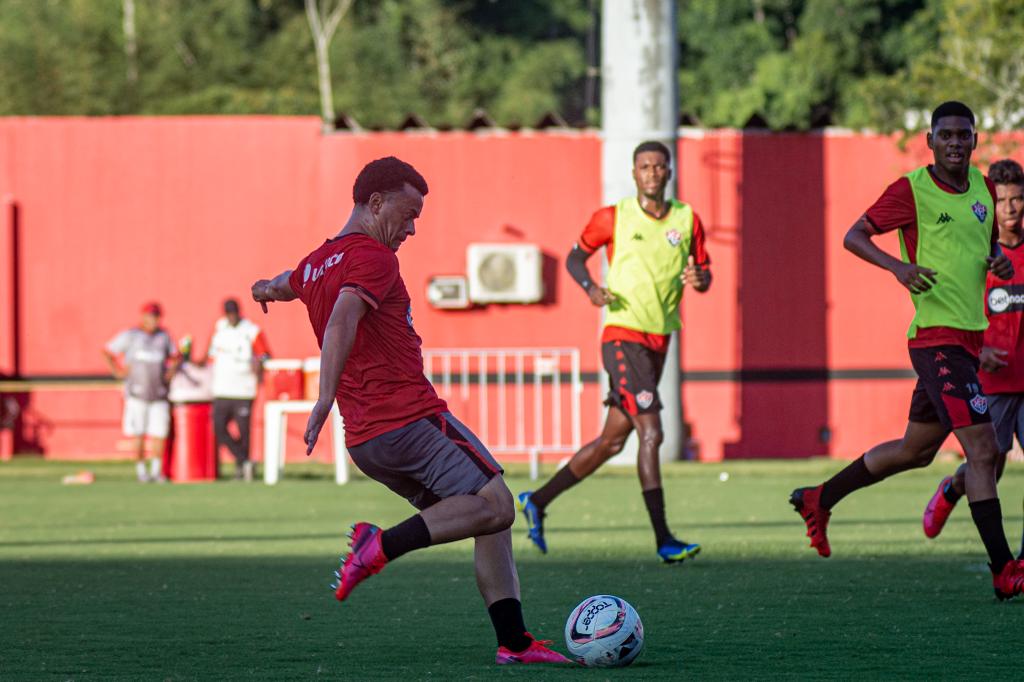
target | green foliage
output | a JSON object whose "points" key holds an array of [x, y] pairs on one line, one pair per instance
{"points": [[792, 64]]}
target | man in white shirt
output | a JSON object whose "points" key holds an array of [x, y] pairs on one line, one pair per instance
{"points": [[148, 360], [238, 349]]}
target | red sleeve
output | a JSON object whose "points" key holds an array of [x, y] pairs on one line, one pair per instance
{"points": [[369, 273], [698, 248], [295, 279], [599, 231], [894, 209], [259, 345], [995, 225]]}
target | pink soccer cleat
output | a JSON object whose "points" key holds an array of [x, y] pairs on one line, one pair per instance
{"points": [[937, 511], [1009, 582], [366, 558], [537, 652]]}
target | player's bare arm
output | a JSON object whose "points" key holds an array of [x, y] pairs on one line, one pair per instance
{"points": [[116, 369], [999, 264], [339, 336], [992, 359], [278, 289], [576, 264], [914, 277]]}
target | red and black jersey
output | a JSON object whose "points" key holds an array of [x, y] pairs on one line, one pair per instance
{"points": [[1004, 306], [382, 386]]}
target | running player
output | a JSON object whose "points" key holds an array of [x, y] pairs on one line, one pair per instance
{"points": [[655, 245], [944, 214], [397, 430], [1002, 356]]}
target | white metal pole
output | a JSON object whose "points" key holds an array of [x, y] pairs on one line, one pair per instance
{"points": [[639, 101]]}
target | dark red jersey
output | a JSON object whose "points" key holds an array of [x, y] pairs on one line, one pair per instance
{"points": [[1004, 306], [382, 386]]}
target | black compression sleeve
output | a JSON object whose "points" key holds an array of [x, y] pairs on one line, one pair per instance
{"points": [[576, 264]]}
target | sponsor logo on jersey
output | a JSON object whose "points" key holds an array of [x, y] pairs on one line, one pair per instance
{"points": [[637, 237], [644, 399], [944, 218], [980, 211], [674, 237], [979, 404], [317, 273], [1006, 299]]}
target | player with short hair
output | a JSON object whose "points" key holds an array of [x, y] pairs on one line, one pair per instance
{"points": [[948, 240], [1002, 355], [655, 246], [148, 361], [398, 431]]}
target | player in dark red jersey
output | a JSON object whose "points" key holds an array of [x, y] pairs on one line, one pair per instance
{"points": [[1002, 356], [398, 431], [944, 214]]}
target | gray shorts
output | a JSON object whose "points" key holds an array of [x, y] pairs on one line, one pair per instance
{"points": [[428, 460], [1008, 418]]}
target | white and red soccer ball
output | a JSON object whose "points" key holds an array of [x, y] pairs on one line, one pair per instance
{"points": [[604, 631]]}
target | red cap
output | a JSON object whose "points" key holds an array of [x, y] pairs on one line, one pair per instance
{"points": [[152, 308]]}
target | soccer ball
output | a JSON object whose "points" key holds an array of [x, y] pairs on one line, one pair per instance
{"points": [[604, 631]]}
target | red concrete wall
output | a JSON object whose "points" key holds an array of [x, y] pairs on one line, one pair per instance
{"points": [[191, 210]]}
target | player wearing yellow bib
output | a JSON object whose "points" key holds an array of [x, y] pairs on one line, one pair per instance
{"points": [[944, 214], [655, 246]]}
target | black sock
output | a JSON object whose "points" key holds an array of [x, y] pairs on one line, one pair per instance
{"points": [[559, 483], [507, 617], [405, 537], [950, 493], [853, 477], [655, 501], [988, 517]]}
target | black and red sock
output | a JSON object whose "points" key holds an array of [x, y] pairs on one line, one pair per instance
{"points": [[559, 483], [988, 517], [405, 537], [507, 618], [950, 493], [853, 477]]}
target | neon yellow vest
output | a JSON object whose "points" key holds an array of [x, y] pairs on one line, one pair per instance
{"points": [[954, 236], [647, 265]]}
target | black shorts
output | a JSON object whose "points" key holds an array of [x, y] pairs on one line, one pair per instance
{"points": [[633, 374], [428, 460], [948, 390], [1007, 410]]}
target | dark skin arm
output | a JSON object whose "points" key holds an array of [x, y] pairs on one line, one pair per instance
{"points": [[339, 336], [278, 289], [576, 264], [697, 276]]}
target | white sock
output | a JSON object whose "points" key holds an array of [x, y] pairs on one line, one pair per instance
{"points": [[154, 467], [140, 470]]}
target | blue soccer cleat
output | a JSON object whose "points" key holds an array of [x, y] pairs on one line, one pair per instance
{"points": [[534, 520], [673, 551]]}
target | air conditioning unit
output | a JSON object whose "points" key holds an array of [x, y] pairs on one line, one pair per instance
{"points": [[504, 273], [448, 291]]}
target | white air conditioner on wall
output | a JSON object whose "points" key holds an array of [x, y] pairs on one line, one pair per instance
{"points": [[504, 273]]}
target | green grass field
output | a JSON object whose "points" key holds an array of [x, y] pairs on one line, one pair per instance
{"points": [[117, 580]]}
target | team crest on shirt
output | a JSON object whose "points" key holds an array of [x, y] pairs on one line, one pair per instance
{"points": [[674, 237], [979, 404], [644, 399], [980, 211]]}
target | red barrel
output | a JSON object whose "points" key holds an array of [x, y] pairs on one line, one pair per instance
{"points": [[193, 453], [283, 379]]}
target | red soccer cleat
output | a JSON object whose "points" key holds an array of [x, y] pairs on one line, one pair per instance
{"points": [[805, 501], [1009, 582], [537, 652], [937, 511], [366, 558]]}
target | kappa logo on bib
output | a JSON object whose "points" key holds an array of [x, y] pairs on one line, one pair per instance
{"points": [[644, 399], [979, 404]]}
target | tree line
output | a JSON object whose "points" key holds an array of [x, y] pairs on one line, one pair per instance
{"points": [[779, 64]]}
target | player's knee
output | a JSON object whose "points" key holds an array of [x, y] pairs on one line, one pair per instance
{"points": [[612, 446], [501, 511], [922, 458], [651, 437]]}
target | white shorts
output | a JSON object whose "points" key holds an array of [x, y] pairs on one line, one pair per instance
{"points": [[146, 418]]}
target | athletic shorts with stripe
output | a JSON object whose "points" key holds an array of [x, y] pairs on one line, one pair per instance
{"points": [[947, 390], [633, 374], [427, 460]]}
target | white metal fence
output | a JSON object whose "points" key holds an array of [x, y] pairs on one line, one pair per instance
{"points": [[516, 400]]}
